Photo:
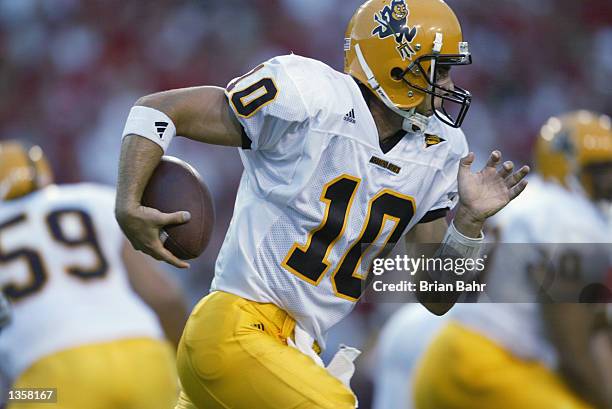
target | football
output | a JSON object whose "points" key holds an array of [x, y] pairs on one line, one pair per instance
{"points": [[174, 186]]}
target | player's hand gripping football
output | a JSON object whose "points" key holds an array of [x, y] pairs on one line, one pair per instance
{"points": [[484, 193], [142, 226]]}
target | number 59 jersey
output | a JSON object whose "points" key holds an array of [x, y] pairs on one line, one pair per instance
{"points": [[319, 196], [62, 271]]}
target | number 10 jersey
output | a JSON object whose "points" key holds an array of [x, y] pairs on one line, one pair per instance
{"points": [[319, 197]]}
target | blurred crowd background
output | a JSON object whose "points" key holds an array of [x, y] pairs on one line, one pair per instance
{"points": [[71, 69]]}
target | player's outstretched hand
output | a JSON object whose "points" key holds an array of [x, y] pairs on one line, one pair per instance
{"points": [[486, 192], [142, 226]]}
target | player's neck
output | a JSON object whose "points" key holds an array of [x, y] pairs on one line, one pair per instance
{"points": [[388, 123]]}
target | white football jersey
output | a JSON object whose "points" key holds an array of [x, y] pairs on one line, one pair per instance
{"points": [[61, 268], [317, 189], [544, 213]]}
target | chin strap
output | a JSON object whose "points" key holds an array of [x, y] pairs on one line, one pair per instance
{"points": [[416, 122], [412, 119]]}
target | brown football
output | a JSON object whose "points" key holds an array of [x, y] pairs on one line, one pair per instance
{"points": [[174, 186]]}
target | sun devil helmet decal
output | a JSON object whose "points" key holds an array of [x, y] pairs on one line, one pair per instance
{"points": [[393, 21]]}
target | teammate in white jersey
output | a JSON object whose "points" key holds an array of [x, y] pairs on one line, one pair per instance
{"points": [[86, 308], [525, 355], [335, 164], [401, 344], [518, 328]]}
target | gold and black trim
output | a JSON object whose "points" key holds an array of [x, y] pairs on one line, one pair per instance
{"points": [[246, 105], [386, 205], [309, 261]]}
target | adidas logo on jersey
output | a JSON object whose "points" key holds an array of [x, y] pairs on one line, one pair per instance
{"points": [[161, 128], [350, 117]]}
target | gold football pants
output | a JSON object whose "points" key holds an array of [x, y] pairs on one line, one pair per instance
{"points": [[234, 355], [465, 370], [127, 374]]}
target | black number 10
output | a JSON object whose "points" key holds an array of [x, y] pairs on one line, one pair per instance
{"points": [[309, 261]]}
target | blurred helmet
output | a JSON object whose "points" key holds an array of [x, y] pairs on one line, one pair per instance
{"points": [[568, 145], [394, 47], [22, 170]]}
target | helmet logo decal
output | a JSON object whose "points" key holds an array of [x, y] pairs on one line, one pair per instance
{"points": [[393, 21]]}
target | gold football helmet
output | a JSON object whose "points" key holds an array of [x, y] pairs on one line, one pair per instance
{"points": [[395, 47], [573, 144], [22, 170]]}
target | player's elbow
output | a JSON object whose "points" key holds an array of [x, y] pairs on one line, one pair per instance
{"points": [[151, 101], [162, 101]]}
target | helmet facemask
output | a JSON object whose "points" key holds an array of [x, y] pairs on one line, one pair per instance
{"points": [[458, 96], [597, 179]]}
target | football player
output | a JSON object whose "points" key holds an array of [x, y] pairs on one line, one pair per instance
{"points": [[336, 164], [528, 355], [86, 307]]}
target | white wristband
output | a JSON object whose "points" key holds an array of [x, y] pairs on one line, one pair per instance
{"points": [[151, 124], [456, 242]]}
